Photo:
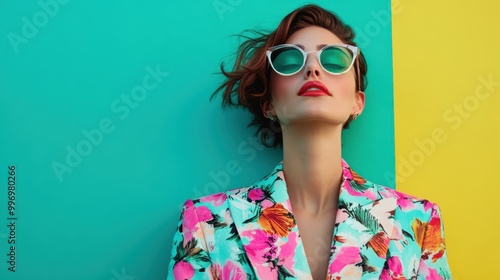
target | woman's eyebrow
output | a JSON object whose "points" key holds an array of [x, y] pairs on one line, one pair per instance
{"points": [[318, 47]]}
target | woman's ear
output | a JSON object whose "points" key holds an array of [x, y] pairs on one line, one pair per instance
{"points": [[359, 103], [267, 107]]}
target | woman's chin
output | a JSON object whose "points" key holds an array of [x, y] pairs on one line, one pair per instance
{"points": [[315, 120]]}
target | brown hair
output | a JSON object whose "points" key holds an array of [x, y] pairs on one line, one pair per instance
{"points": [[247, 85]]}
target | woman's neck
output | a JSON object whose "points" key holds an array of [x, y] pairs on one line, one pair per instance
{"points": [[312, 166]]}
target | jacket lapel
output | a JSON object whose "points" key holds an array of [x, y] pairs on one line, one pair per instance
{"points": [[364, 227], [266, 226], [262, 216]]}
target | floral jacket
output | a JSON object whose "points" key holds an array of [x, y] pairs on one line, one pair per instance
{"points": [[251, 233]]}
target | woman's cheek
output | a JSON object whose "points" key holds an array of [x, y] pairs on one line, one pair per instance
{"points": [[349, 82], [281, 87]]}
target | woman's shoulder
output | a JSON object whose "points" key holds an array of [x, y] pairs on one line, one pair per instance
{"points": [[406, 202], [218, 199], [358, 186], [265, 186], [387, 192]]}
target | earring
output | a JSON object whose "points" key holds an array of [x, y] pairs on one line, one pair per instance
{"points": [[355, 116], [270, 116]]}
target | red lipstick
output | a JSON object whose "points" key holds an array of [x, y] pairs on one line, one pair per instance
{"points": [[313, 88]]}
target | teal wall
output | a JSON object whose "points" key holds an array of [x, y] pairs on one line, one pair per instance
{"points": [[104, 113]]}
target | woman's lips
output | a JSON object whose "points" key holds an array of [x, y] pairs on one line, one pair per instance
{"points": [[313, 88]]}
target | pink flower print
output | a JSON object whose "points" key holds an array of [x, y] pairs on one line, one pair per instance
{"points": [[183, 270], [341, 216], [368, 193], [406, 204], [256, 194], [266, 203], [346, 172], [288, 252], [262, 247], [386, 192], [262, 251], [204, 214], [346, 256], [405, 201], [427, 272], [233, 271], [394, 270], [191, 217], [428, 205], [215, 199], [216, 271]]}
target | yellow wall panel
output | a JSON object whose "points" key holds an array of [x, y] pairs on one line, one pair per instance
{"points": [[447, 121]]}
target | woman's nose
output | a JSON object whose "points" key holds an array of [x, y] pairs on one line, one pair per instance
{"points": [[312, 67]]}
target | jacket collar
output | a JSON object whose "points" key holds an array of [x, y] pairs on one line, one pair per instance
{"points": [[364, 225]]}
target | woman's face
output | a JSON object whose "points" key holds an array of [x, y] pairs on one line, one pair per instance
{"points": [[342, 99]]}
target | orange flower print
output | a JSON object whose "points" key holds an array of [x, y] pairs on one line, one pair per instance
{"points": [[419, 231], [358, 179], [276, 220], [340, 239], [428, 236], [380, 244]]}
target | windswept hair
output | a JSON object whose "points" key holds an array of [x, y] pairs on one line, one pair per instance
{"points": [[247, 84]]}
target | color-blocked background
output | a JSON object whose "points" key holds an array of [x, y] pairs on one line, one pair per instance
{"points": [[446, 87], [104, 112], [113, 215]]}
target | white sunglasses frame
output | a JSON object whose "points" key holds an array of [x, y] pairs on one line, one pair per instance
{"points": [[353, 49]]}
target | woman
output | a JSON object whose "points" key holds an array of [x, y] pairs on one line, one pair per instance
{"points": [[312, 217]]}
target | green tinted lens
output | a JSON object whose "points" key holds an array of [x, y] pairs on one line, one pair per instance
{"points": [[336, 59], [287, 60]]}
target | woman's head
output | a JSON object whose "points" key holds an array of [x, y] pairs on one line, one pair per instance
{"points": [[254, 84]]}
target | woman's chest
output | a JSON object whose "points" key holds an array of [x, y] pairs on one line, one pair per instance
{"points": [[316, 233]]}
